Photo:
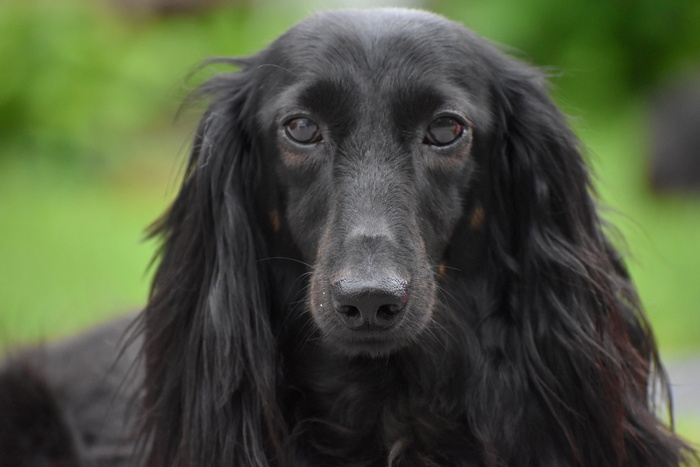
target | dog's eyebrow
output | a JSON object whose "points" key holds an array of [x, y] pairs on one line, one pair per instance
{"points": [[414, 105], [332, 100], [319, 91], [416, 100]]}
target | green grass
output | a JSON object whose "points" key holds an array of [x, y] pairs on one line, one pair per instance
{"points": [[71, 242]]}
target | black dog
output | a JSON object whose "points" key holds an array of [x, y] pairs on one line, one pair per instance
{"points": [[385, 251]]}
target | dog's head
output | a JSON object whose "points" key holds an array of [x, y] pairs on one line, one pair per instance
{"points": [[374, 123], [389, 148]]}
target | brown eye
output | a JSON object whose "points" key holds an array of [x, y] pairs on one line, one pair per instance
{"points": [[443, 131], [303, 130]]}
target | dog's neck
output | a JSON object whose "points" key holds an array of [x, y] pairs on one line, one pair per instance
{"points": [[365, 404]]}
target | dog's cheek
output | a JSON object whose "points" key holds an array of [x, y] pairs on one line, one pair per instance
{"points": [[442, 200], [307, 215], [438, 219]]}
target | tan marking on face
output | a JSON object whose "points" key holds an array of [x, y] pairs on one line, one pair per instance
{"points": [[477, 219], [442, 269], [275, 220], [292, 159]]}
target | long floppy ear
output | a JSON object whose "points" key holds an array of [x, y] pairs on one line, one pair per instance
{"points": [[210, 354], [576, 357]]}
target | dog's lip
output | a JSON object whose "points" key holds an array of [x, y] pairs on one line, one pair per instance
{"points": [[369, 338], [367, 335], [367, 342]]}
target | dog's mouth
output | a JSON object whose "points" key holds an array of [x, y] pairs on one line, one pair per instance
{"points": [[369, 343]]}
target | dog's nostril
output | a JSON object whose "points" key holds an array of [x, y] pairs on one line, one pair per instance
{"points": [[388, 312], [369, 304], [349, 311]]}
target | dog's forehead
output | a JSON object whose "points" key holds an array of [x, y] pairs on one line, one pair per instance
{"points": [[374, 40], [378, 54]]}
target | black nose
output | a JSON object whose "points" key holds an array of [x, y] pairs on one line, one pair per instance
{"points": [[369, 304]]}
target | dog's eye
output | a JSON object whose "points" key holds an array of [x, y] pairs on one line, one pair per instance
{"points": [[443, 131], [303, 130]]}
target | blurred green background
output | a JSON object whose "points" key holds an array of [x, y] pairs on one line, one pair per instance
{"points": [[90, 151]]}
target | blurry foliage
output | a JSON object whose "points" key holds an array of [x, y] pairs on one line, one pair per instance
{"points": [[78, 77], [607, 51]]}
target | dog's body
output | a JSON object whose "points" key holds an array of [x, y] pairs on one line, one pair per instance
{"points": [[385, 252], [68, 404]]}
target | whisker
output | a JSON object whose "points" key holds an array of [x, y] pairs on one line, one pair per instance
{"points": [[446, 294], [451, 268], [443, 329]]}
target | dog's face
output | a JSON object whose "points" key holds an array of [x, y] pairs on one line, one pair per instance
{"points": [[374, 121]]}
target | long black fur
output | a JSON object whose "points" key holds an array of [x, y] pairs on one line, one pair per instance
{"points": [[519, 339], [526, 343]]}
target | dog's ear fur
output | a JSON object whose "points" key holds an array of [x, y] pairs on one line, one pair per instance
{"points": [[209, 349], [575, 345]]}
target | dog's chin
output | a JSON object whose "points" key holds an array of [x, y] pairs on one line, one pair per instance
{"points": [[369, 344]]}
